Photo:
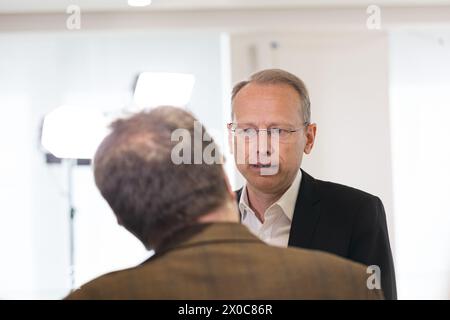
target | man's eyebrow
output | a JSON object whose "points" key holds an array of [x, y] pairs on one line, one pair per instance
{"points": [[246, 124], [280, 124], [271, 124]]}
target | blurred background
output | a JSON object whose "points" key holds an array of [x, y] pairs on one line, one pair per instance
{"points": [[379, 80]]}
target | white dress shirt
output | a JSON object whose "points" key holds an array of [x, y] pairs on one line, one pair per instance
{"points": [[277, 218]]}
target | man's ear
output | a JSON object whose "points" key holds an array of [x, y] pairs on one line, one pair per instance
{"points": [[310, 137], [230, 134]]}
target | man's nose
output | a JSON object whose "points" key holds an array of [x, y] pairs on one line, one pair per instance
{"points": [[264, 145], [264, 150]]}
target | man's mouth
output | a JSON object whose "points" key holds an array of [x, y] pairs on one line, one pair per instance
{"points": [[259, 166]]}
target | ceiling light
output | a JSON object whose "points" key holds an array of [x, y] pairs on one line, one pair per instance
{"points": [[139, 3]]}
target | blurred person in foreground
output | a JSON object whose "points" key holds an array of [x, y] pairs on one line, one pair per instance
{"points": [[187, 213]]}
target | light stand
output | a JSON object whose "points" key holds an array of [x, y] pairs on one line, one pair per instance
{"points": [[71, 163]]}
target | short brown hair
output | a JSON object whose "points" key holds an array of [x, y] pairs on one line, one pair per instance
{"points": [[278, 76], [151, 196]]}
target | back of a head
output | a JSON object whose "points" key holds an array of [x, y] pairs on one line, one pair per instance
{"points": [[150, 194]]}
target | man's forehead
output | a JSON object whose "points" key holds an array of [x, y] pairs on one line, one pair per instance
{"points": [[264, 104], [254, 95], [263, 114], [267, 91]]}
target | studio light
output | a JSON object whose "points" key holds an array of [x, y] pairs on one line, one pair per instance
{"points": [[162, 88], [73, 133]]}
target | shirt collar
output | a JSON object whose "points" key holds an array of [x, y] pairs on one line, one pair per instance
{"points": [[286, 202], [243, 203]]}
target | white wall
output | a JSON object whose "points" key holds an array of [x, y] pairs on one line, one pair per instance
{"points": [[40, 71], [33, 225], [16, 276], [420, 100]]}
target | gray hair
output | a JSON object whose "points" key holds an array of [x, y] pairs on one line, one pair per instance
{"points": [[278, 76]]}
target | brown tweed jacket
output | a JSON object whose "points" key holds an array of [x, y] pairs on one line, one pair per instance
{"points": [[225, 261]]}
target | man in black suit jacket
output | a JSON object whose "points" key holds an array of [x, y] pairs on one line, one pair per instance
{"points": [[345, 221], [283, 204]]}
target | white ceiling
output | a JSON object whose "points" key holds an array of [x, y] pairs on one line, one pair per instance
{"points": [[38, 6]]}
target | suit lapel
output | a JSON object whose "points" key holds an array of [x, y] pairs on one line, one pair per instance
{"points": [[306, 213]]}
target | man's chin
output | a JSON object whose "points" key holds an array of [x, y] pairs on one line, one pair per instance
{"points": [[263, 183], [267, 188]]}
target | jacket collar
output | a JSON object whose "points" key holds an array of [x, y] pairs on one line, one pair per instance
{"points": [[306, 214], [204, 233]]}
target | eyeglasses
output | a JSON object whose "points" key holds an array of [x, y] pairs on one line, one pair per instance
{"points": [[251, 132]]}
